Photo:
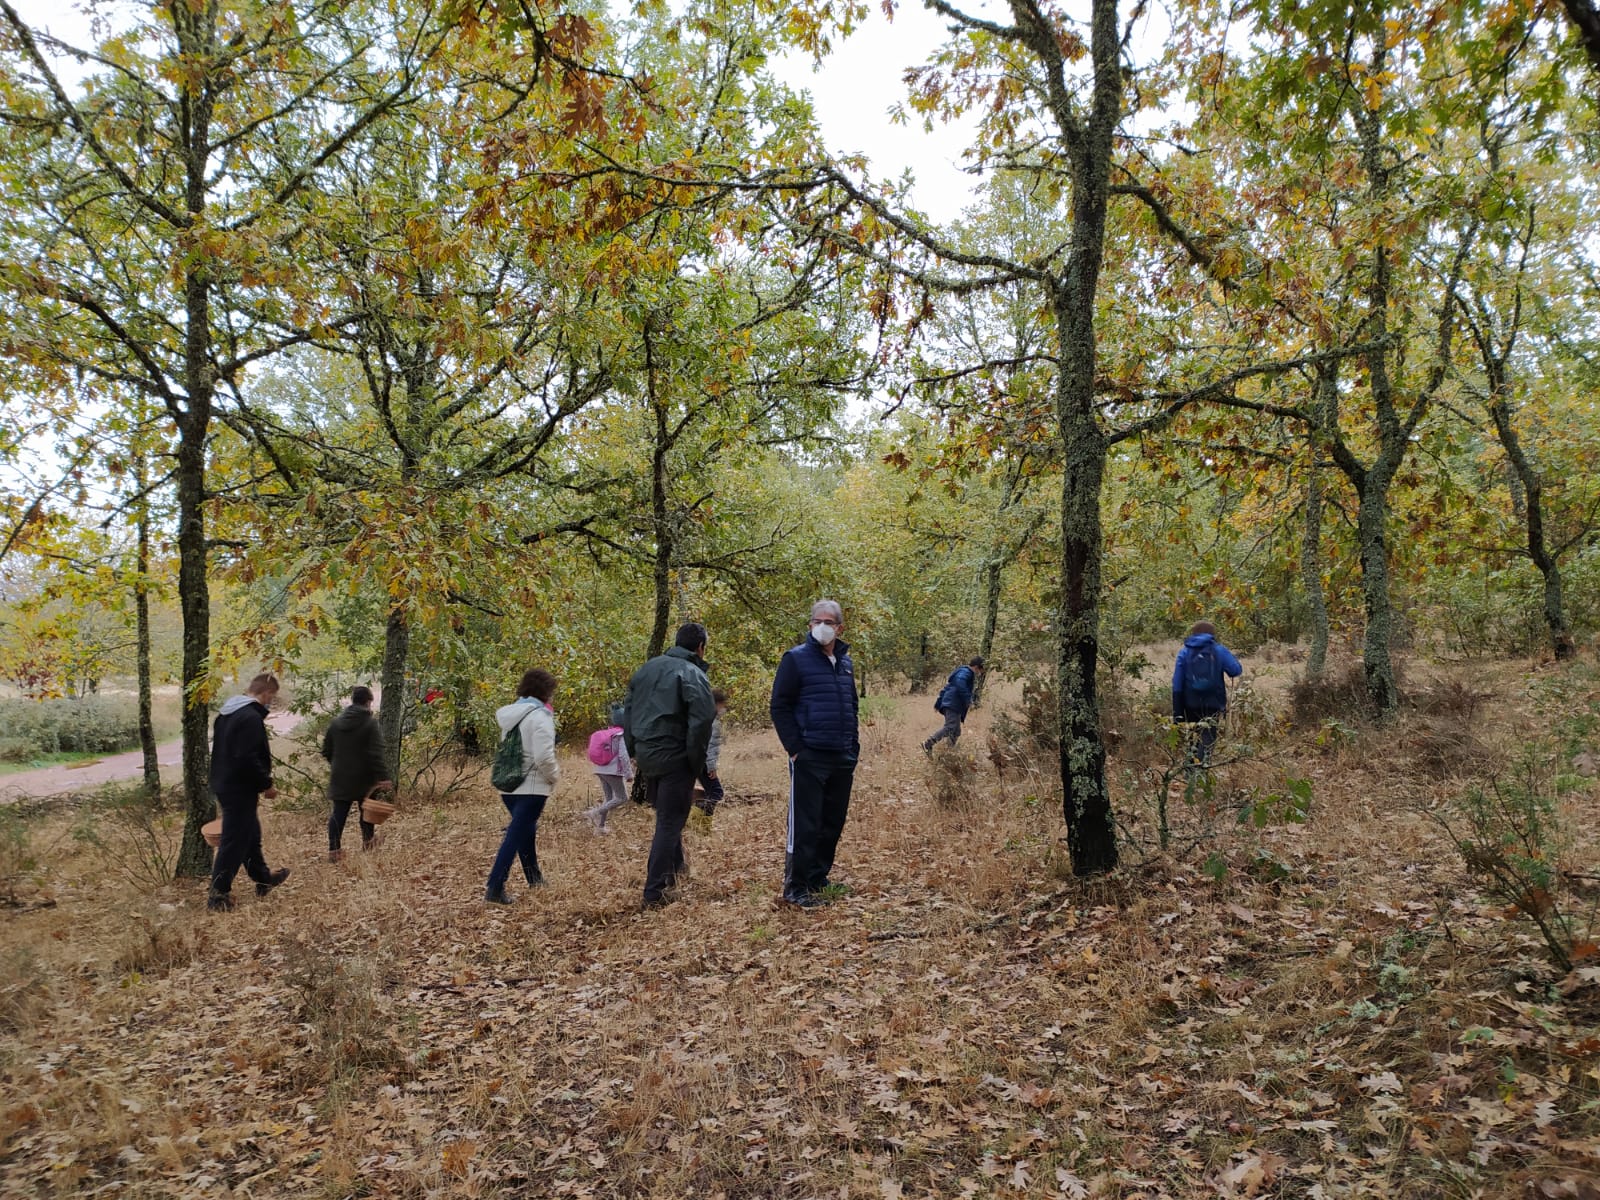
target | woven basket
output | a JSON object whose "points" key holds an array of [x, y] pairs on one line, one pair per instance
{"points": [[212, 832], [375, 811]]}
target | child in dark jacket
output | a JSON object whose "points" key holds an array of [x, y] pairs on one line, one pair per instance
{"points": [[955, 701], [1199, 689]]}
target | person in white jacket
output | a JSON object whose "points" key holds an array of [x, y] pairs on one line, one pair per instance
{"points": [[535, 722]]}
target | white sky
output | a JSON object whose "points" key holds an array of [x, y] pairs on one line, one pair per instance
{"points": [[854, 89]]}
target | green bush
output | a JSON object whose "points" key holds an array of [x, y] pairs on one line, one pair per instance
{"points": [[93, 725]]}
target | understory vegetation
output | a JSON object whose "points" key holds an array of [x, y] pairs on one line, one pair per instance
{"points": [[1340, 997]]}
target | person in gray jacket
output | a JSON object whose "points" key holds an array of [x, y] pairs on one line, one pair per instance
{"points": [[359, 765], [666, 727], [710, 782]]}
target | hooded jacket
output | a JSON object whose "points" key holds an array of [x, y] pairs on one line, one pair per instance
{"points": [[537, 729], [1181, 710], [814, 704], [241, 759], [354, 747], [669, 711], [956, 695]]}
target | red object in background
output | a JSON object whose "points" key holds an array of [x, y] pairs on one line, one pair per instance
{"points": [[432, 695]]}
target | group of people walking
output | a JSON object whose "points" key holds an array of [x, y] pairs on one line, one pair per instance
{"points": [[667, 730]]}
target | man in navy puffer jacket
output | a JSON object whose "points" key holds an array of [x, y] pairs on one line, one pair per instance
{"points": [[814, 709]]}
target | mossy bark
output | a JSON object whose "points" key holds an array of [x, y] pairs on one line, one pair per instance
{"points": [[141, 614], [1085, 797], [1311, 542], [392, 682], [1549, 565]]}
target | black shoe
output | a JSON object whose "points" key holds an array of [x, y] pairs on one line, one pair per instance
{"points": [[804, 899], [652, 902], [273, 880], [537, 881], [496, 896], [219, 902]]}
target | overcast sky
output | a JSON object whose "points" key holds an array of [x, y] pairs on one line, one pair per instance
{"points": [[856, 86]]}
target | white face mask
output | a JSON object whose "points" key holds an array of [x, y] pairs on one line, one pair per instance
{"points": [[824, 634]]}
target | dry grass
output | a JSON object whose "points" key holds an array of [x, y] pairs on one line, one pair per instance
{"points": [[1339, 1011]]}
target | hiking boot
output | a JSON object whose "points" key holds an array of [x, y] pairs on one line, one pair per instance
{"points": [[537, 881], [496, 896], [273, 880], [336, 856], [219, 902], [652, 902], [804, 900], [373, 842]]}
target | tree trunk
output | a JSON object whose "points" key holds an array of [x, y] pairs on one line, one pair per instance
{"points": [[196, 31], [1555, 614], [1000, 553], [141, 612], [991, 619], [660, 525], [392, 681], [1311, 545], [1371, 521], [1085, 798], [194, 604]]}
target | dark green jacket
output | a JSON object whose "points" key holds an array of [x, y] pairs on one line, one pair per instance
{"points": [[354, 746], [669, 710]]}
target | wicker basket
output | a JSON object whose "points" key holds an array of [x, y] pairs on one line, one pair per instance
{"points": [[375, 810], [212, 832]]}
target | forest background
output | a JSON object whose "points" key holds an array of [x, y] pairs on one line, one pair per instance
{"points": [[417, 343], [424, 342]]}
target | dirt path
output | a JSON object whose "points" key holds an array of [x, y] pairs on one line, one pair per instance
{"points": [[113, 768]]}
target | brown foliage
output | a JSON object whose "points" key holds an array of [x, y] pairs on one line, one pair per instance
{"points": [[1339, 1011]]}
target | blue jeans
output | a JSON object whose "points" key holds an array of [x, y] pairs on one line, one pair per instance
{"points": [[519, 840]]}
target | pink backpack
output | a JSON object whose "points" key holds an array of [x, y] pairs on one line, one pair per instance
{"points": [[602, 747]]}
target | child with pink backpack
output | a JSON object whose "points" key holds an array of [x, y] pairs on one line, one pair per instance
{"points": [[612, 768]]}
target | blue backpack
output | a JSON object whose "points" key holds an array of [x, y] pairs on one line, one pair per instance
{"points": [[1203, 688]]}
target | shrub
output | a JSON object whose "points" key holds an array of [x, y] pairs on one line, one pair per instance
{"points": [[133, 832], [23, 990], [1511, 835], [16, 851], [955, 779], [337, 999], [1339, 695], [92, 725]]}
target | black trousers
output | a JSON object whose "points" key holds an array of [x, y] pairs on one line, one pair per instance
{"points": [[819, 802], [341, 814], [713, 796], [241, 844], [671, 796]]}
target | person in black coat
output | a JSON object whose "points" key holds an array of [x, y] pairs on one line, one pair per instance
{"points": [[241, 773], [355, 750]]}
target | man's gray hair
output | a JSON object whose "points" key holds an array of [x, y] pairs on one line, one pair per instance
{"points": [[831, 605]]}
